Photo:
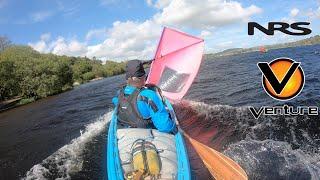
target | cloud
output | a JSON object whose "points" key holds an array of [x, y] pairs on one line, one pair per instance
{"points": [[45, 37], [68, 10], [128, 40], [40, 16], [207, 14], [41, 45], [159, 4], [138, 39], [294, 12], [125, 40], [205, 34], [149, 2], [312, 14], [59, 46], [71, 48], [96, 33]]}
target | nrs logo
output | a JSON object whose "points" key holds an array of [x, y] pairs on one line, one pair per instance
{"points": [[298, 27], [282, 78]]}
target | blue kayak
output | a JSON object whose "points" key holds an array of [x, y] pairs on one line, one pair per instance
{"points": [[177, 167]]}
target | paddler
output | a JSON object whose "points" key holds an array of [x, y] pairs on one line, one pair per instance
{"points": [[140, 105]]}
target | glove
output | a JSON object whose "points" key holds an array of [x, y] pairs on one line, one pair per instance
{"points": [[175, 130]]}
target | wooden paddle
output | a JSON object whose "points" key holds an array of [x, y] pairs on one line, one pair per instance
{"points": [[219, 165]]}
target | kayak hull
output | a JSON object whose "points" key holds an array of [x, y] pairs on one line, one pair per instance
{"points": [[114, 167]]}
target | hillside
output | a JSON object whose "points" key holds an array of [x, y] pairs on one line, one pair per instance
{"points": [[304, 42]]}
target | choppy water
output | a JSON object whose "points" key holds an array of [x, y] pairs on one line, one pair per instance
{"points": [[43, 139]]}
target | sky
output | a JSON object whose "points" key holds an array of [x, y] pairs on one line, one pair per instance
{"points": [[128, 29]]}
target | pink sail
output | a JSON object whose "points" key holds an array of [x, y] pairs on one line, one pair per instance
{"points": [[177, 61]]}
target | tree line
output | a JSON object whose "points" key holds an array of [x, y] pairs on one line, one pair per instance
{"points": [[27, 73]]}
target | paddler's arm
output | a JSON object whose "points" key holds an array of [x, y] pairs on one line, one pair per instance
{"points": [[156, 110]]}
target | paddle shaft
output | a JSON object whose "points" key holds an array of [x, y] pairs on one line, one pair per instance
{"points": [[147, 62], [219, 165]]}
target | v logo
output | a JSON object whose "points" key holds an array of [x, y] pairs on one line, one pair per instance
{"points": [[273, 80]]}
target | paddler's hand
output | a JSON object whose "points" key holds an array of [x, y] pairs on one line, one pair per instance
{"points": [[175, 130]]}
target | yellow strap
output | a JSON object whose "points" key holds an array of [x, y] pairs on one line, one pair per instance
{"points": [[138, 175]]}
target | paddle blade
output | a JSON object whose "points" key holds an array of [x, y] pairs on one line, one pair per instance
{"points": [[219, 165]]}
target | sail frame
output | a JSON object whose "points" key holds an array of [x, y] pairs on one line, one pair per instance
{"points": [[180, 48]]}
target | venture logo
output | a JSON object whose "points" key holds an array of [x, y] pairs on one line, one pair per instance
{"points": [[281, 26], [282, 79], [284, 110]]}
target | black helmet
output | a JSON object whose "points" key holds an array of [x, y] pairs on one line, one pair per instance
{"points": [[134, 68]]}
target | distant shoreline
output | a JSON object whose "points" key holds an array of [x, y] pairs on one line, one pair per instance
{"points": [[19, 101], [234, 51], [9, 104]]}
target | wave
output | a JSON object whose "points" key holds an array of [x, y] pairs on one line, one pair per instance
{"points": [[300, 131], [68, 160], [277, 147], [271, 159]]}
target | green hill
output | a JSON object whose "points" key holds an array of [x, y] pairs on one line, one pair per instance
{"points": [[304, 42]]}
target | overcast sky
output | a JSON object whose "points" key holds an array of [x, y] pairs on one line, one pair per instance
{"points": [[127, 29]]}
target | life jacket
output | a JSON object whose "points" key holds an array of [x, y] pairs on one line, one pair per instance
{"points": [[128, 112]]}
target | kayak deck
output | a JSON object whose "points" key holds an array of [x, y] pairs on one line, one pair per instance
{"points": [[174, 159], [165, 144]]}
